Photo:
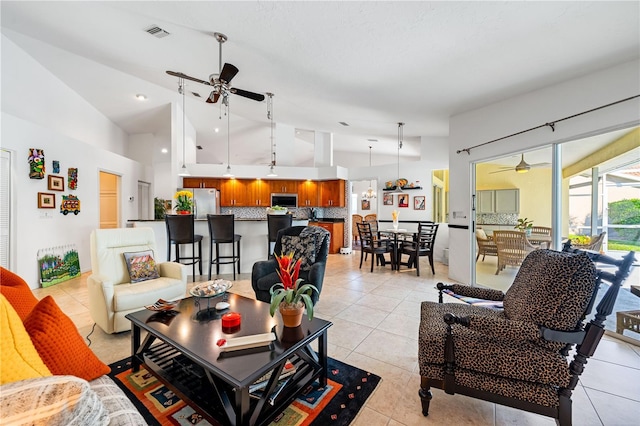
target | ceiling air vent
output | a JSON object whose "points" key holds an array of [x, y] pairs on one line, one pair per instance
{"points": [[199, 146], [343, 123], [156, 31], [372, 140], [196, 94]]}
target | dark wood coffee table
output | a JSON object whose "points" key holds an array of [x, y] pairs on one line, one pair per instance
{"points": [[180, 350]]}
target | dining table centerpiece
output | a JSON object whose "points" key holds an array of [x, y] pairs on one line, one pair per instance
{"points": [[394, 217], [290, 296], [524, 225], [184, 202]]}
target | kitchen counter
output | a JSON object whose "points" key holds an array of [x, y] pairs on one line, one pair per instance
{"points": [[253, 245]]}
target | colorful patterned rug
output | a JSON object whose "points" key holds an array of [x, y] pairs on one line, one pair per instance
{"points": [[338, 403]]}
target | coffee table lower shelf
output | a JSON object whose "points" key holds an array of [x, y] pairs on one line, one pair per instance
{"points": [[214, 398]]}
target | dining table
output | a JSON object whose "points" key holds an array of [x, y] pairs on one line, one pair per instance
{"points": [[396, 233], [540, 240]]}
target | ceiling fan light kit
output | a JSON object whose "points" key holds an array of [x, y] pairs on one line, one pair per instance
{"points": [[521, 167], [183, 170]]}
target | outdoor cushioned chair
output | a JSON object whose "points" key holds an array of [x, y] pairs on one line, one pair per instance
{"points": [[486, 245], [309, 243], [595, 243], [518, 356], [112, 294]]}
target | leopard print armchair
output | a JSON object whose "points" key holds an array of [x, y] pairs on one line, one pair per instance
{"points": [[518, 356]]}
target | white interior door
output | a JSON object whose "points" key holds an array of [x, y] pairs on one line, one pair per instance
{"points": [[5, 209]]}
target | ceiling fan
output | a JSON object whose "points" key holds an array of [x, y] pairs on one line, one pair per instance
{"points": [[522, 167], [220, 81]]}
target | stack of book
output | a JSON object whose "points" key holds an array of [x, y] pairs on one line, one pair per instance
{"points": [[256, 390]]}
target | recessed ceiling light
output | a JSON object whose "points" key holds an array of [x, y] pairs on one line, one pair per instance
{"points": [[164, 150], [141, 97], [217, 130]]}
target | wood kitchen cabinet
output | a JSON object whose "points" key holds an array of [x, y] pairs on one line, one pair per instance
{"points": [[200, 182], [257, 193], [308, 194], [232, 193], [284, 186], [331, 193], [337, 234]]}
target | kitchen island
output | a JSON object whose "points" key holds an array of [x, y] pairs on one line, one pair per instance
{"points": [[253, 246]]}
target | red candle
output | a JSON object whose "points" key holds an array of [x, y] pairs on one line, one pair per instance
{"points": [[231, 320]]}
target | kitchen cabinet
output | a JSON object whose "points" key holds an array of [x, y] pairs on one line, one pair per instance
{"points": [[308, 194], [244, 193], [336, 229], [331, 193], [284, 186], [200, 182], [498, 201], [258, 193]]}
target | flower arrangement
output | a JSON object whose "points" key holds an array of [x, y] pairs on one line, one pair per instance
{"points": [[184, 200], [394, 217], [289, 292], [524, 225]]}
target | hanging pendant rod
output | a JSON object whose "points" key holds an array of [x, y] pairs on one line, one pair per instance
{"points": [[551, 124]]}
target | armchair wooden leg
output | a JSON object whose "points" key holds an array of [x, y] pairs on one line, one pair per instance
{"points": [[425, 395]]}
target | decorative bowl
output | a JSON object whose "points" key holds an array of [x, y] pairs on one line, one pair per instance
{"points": [[211, 288]]}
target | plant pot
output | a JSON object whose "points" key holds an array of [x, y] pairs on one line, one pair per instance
{"points": [[183, 212], [291, 314]]}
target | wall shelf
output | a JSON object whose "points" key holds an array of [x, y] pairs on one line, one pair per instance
{"points": [[393, 188]]}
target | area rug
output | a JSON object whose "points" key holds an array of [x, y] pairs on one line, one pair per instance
{"points": [[338, 403]]}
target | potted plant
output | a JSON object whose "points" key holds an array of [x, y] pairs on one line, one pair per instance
{"points": [[290, 296], [524, 225], [158, 208], [184, 202]]}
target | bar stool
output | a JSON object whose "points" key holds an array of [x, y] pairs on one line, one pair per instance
{"points": [[180, 230], [222, 231], [276, 222]]}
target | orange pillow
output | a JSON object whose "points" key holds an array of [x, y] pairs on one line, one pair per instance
{"points": [[17, 292], [59, 344]]}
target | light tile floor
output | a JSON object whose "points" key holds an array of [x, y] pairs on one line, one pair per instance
{"points": [[375, 327]]}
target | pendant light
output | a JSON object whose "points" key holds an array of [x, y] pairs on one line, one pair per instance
{"points": [[369, 193], [398, 189], [228, 172], [272, 172], [182, 90]]}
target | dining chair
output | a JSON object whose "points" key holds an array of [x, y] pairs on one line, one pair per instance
{"points": [[513, 247], [180, 230], [355, 219], [374, 245], [540, 230], [486, 245], [422, 245]]}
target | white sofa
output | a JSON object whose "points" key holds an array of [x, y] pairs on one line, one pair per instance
{"points": [[111, 294]]}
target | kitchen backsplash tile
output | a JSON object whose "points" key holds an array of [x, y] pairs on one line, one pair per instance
{"points": [[497, 218]]}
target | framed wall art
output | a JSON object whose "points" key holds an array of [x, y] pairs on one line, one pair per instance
{"points": [[56, 183], [418, 202], [403, 200], [366, 205], [36, 163], [56, 166], [72, 180], [387, 199], [46, 200]]}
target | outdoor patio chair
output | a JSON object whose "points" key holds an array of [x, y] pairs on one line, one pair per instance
{"points": [[486, 245]]}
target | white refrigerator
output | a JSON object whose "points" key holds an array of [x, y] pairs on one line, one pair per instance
{"points": [[205, 201]]}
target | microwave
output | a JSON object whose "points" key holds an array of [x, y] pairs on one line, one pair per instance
{"points": [[284, 200]]}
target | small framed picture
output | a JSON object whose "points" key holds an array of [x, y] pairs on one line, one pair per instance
{"points": [[387, 199], [46, 200], [56, 183], [366, 205], [403, 200], [418, 202]]}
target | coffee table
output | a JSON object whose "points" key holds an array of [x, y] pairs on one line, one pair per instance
{"points": [[180, 350]]}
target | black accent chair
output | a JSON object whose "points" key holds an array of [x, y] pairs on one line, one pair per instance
{"points": [[309, 243], [180, 230], [519, 357], [422, 245], [372, 243], [222, 231], [276, 222]]}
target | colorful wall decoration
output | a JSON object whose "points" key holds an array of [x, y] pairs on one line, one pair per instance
{"points": [[56, 166], [58, 264], [73, 178], [36, 163], [70, 204]]}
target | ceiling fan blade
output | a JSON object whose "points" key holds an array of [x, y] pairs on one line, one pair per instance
{"points": [[213, 97], [228, 72], [510, 169], [540, 165], [246, 94], [187, 77]]}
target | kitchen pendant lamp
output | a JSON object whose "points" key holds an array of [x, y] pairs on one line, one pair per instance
{"points": [[272, 165], [228, 172], [398, 188], [370, 193], [183, 170]]}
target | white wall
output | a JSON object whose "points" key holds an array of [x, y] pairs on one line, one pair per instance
{"points": [[39, 111], [524, 112]]}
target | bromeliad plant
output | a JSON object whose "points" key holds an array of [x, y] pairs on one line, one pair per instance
{"points": [[290, 291]]}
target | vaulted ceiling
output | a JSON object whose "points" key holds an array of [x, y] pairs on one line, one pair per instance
{"points": [[368, 64]]}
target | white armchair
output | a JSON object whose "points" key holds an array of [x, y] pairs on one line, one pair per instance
{"points": [[111, 294]]}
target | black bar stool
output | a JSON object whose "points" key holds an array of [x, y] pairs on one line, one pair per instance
{"points": [[222, 231], [180, 230], [276, 222]]}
